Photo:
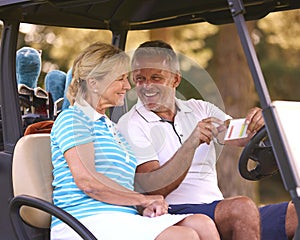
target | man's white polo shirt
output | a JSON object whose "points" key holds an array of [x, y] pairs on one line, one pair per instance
{"points": [[152, 138]]}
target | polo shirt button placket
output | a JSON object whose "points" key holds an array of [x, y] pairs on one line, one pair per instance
{"points": [[178, 131]]}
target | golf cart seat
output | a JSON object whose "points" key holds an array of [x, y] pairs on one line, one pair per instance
{"points": [[32, 188]]}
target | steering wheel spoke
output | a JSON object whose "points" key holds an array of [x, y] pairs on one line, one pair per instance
{"points": [[259, 150]]}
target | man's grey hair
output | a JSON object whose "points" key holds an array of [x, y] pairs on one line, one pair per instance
{"points": [[156, 49]]}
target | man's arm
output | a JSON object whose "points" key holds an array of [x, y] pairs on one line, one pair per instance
{"points": [[155, 179], [151, 178]]}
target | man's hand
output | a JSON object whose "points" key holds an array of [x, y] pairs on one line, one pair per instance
{"points": [[204, 131], [254, 120]]}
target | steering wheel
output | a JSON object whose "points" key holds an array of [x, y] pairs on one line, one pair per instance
{"points": [[259, 150]]}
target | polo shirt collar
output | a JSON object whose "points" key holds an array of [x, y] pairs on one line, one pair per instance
{"points": [[88, 110], [182, 107], [150, 116]]}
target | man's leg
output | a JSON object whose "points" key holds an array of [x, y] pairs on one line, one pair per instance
{"points": [[237, 218], [278, 221], [291, 221], [205, 208]]}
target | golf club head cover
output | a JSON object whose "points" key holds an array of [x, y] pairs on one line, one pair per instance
{"points": [[55, 84], [66, 102], [28, 66]]}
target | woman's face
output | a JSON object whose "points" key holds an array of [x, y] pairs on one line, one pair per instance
{"points": [[114, 92]]}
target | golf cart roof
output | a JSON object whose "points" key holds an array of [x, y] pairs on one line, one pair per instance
{"points": [[133, 14]]}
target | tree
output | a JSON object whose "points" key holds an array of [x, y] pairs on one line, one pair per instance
{"points": [[278, 45], [283, 29], [230, 70]]}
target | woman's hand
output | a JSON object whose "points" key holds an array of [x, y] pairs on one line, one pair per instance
{"points": [[157, 206]]}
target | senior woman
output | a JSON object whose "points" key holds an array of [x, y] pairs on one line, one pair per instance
{"points": [[94, 167]]}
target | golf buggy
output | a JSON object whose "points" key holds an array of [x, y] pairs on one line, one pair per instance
{"points": [[121, 16]]}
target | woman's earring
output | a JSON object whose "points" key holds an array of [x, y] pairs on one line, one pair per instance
{"points": [[95, 90]]}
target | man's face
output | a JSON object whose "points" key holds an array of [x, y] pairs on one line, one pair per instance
{"points": [[155, 83]]}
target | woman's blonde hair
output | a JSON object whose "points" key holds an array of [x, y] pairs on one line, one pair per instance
{"points": [[96, 61]]}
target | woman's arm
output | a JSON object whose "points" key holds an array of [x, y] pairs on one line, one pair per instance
{"points": [[81, 163]]}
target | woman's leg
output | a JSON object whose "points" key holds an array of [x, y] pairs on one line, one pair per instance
{"points": [[178, 233], [203, 225]]}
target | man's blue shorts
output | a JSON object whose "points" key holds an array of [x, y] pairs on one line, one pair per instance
{"points": [[272, 217]]}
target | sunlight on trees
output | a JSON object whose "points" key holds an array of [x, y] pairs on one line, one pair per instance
{"points": [[191, 41], [283, 29], [135, 38], [188, 40], [278, 46], [61, 45]]}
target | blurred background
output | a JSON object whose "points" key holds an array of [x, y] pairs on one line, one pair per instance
{"points": [[215, 49]]}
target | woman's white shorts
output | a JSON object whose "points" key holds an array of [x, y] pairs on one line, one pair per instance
{"points": [[119, 226]]}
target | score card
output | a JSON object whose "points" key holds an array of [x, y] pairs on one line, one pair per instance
{"points": [[237, 129]]}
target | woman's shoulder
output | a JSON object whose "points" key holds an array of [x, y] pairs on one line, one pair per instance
{"points": [[70, 114], [67, 113]]}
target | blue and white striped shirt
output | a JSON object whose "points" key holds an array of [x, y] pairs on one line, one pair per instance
{"points": [[113, 158]]}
